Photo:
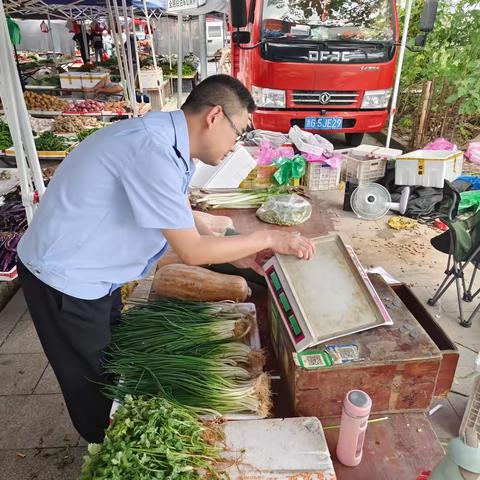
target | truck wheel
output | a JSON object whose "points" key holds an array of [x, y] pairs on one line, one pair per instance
{"points": [[353, 139]]}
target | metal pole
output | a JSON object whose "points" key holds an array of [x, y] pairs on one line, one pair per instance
{"points": [[190, 46], [224, 17], [124, 56], [393, 107], [116, 41], [202, 25], [19, 122], [135, 43], [179, 62], [85, 41], [152, 46], [130, 60]]}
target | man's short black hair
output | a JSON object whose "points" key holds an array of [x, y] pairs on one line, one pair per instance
{"points": [[223, 90]]}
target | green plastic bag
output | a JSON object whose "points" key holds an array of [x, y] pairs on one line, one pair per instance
{"points": [[289, 169], [469, 201]]}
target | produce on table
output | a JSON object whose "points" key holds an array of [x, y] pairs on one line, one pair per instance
{"points": [[169, 258], [82, 135], [116, 107], [48, 81], [192, 353], [8, 250], [39, 101], [196, 283], [73, 123], [285, 210], [244, 198], [5, 137], [49, 142], [86, 106], [13, 217], [155, 439], [40, 125], [187, 70]]}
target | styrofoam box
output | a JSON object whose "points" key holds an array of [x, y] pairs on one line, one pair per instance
{"points": [[79, 80], [148, 79], [428, 168], [375, 150]]}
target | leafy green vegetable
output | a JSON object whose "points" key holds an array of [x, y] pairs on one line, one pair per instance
{"points": [[154, 439], [49, 142], [83, 134], [5, 137]]}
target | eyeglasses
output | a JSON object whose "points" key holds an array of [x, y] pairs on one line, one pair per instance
{"points": [[239, 133]]}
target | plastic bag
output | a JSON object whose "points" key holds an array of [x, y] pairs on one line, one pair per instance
{"points": [[473, 152], [335, 161], [310, 143], [440, 144], [267, 152], [285, 210]]}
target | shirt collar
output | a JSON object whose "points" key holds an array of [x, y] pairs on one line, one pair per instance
{"points": [[181, 132]]}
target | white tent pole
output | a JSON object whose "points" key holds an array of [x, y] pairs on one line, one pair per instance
{"points": [[116, 40], [190, 46], [52, 41], [18, 120], [224, 18], [179, 62], [152, 46], [85, 41], [135, 42], [130, 60], [124, 55], [202, 25], [396, 87]]}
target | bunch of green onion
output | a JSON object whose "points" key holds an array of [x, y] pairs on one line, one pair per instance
{"points": [[238, 198], [191, 352]]}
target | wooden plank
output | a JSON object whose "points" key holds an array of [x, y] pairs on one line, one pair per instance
{"points": [[400, 447]]}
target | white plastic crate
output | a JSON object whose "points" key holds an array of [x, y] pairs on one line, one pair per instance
{"points": [[361, 169], [428, 168], [471, 417], [321, 177]]}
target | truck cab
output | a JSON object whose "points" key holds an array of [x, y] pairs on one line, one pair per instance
{"points": [[326, 66]]}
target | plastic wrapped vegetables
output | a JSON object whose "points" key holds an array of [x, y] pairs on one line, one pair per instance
{"points": [[285, 210]]}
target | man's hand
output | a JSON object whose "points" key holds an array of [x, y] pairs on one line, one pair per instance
{"points": [[292, 243]]}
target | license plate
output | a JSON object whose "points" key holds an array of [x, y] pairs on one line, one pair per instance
{"points": [[323, 123]]}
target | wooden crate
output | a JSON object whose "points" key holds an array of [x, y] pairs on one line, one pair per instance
{"points": [[399, 370]]}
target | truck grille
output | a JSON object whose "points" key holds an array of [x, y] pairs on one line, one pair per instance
{"points": [[324, 97]]}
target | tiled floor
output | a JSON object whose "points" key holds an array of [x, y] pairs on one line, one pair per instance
{"points": [[37, 440]]}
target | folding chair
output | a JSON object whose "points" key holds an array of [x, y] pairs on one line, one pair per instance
{"points": [[462, 244]]}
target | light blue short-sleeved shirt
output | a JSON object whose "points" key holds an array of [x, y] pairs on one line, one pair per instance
{"points": [[99, 223]]}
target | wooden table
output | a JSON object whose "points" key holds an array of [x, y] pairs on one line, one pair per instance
{"points": [[399, 448]]}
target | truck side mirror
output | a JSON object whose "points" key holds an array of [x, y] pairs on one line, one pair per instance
{"points": [[429, 15], [238, 13], [240, 37]]}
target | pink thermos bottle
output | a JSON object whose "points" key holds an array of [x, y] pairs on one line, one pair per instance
{"points": [[356, 409]]}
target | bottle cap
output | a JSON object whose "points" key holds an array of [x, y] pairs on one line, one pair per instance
{"points": [[357, 403]]}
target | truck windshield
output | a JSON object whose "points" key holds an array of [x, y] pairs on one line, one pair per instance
{"points": [[329, 20]]}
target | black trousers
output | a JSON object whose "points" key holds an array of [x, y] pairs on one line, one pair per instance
{"points": [[74, 334]]}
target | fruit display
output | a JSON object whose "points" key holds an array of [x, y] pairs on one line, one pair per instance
{"points": [[73, 124], [39, 101], [83, 107]]}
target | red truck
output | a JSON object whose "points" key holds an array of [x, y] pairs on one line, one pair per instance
{"points": [[324, 65]]}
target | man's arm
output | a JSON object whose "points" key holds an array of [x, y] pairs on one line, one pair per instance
{"points": [[196, 249]]}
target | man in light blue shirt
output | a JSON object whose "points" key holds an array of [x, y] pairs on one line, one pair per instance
{"points": [[107, 216]]}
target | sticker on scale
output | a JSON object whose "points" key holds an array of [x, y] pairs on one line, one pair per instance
{"points": [[329, 356]]}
